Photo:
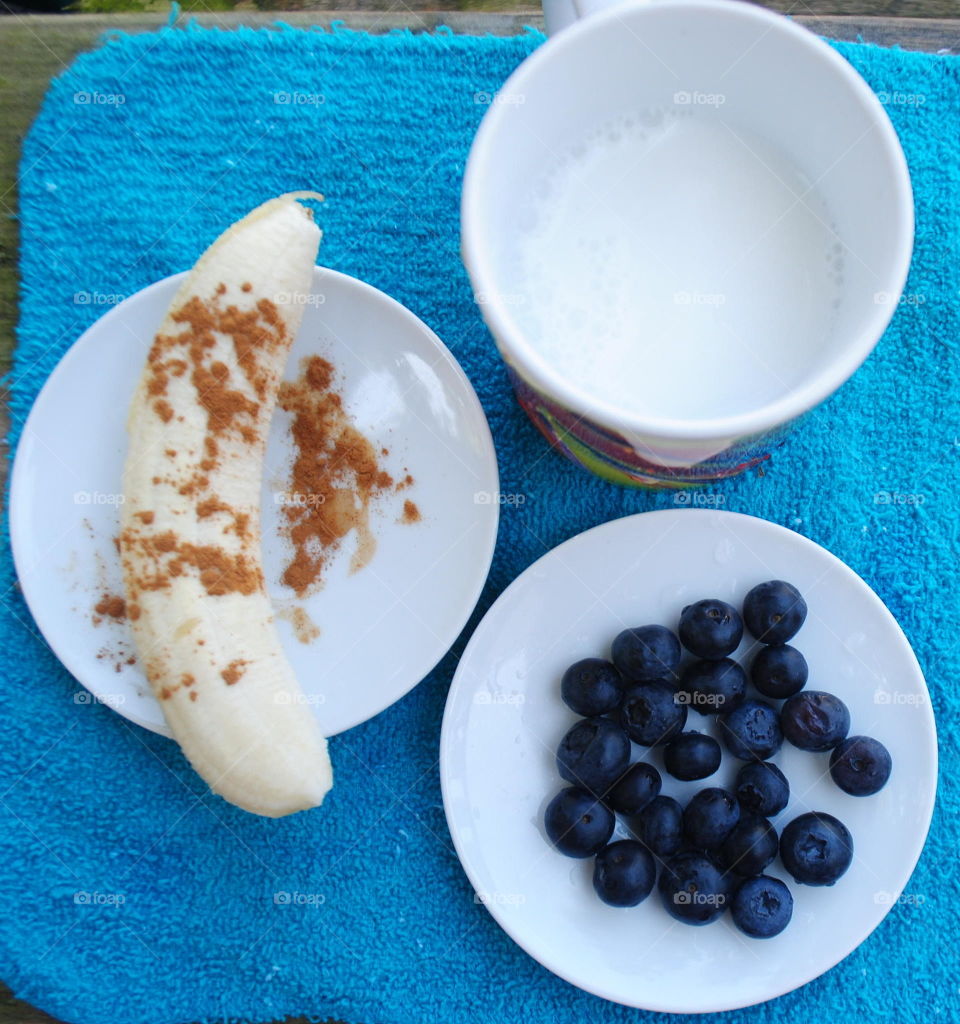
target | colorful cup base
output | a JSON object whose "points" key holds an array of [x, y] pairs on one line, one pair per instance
{"points": [[611, 456]]}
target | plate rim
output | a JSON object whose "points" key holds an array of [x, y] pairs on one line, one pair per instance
{"points": [[446, 741], [19, 493]]}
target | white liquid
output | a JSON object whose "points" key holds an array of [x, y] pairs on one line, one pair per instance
{"points": [[679, 268]]}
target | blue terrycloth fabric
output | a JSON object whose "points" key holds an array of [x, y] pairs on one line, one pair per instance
{"points": [[115, 196]]}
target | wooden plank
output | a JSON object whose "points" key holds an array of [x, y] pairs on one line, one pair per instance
{"points": [[868, 8], [809, 8], [16, 1011], [929, 34]]}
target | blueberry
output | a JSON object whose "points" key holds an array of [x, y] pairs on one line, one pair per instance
{"points": [[651, 714], [762, 907], [816, 848], [762, 788], [774, 611], [691, 755], [779, 671], [593, 754], [624, 873], [710, 629], [638, 785], [659, 826], [577, 823], [709, 818], [712, 687], [750, 846], [693, 889], [860, 765], [752, 731], [591, 687], [646, 653], [814, 720]]}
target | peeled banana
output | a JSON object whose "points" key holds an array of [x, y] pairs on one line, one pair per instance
{"points": [[190, 525]]}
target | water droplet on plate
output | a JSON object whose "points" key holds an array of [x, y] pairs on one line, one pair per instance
{"points": [[724, 551], [854, 641]]}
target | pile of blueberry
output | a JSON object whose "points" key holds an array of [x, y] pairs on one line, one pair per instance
{"points": [[712, 853]]}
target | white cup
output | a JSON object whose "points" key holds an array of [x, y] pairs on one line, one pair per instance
{"points": [[779, 82]]}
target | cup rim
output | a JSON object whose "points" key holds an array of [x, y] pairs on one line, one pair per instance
{"points": [[537, 371]]}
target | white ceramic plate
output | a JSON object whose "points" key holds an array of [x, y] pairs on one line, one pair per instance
{"points": [[504, 718], [383, 628]]}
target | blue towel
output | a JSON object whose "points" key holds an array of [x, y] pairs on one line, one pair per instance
{"points": [[115, 195]]}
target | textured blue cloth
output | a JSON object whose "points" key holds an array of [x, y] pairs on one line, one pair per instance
{"points": [[115, 196]]}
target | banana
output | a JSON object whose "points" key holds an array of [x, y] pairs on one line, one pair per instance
{"points": [[190, 523]]}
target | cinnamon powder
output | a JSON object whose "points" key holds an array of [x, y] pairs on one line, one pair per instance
{"points": [[233, 672], [233, 401], [232, 414], [335, 476], [304, 628], [186, 681], [111, 606], [220, 572], [252, 332]]}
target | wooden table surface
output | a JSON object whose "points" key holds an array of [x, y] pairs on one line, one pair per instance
{"points": [[35, 47]]}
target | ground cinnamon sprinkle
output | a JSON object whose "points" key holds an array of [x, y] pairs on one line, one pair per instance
{"points": [[186, 681], [111, 606], [318, 373], [230, 410], [251, 331], [211, 506], [233, 672], [304, 628], [221, 572], [223, 403], [194, 484], [241, 520], [233, 416], [334, 477], [165, 542]]}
